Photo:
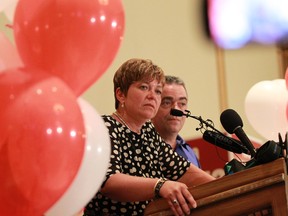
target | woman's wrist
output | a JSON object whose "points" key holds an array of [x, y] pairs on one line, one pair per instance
{"points": [[158, 186]]}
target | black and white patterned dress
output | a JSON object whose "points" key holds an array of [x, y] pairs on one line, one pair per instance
{"points": [[144, 154]]}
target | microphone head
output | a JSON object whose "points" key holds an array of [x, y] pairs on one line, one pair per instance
{"points": [[224, 142], [176, 112], [230, 120]]}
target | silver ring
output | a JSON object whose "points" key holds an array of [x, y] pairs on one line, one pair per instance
{"points": [[175, 202]]}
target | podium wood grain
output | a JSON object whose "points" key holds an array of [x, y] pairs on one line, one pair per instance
{"points": [[260, 190]]}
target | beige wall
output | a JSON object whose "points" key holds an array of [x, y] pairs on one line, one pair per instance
{"points": [[171, 33]]}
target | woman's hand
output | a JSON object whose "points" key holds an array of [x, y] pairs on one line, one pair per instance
{"points": [[178, 197]]}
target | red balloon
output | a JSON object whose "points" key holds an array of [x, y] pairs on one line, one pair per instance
{"points": [[286, 78], [287, 112], [42, 141], [75, 40]]}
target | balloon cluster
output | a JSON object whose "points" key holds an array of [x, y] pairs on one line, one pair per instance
{"points": [[286, 79], [266, 107], [54, 146]]}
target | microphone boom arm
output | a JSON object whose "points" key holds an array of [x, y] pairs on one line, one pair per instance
{"points": [[213, 136], [202, 122]]}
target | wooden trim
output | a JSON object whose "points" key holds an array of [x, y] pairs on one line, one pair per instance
{"points": [[260, 188], [221, 74], [282, 53]]}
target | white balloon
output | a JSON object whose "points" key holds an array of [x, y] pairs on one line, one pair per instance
{"points": [[9, 57], [8, 7], [92, 169], [265, 108], [4, 4], [9, 11]]}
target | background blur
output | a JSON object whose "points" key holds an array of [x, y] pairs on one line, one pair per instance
{"points": [[172, 34]]}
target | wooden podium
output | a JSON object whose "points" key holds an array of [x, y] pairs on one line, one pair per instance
{"points": [[260, 190]]}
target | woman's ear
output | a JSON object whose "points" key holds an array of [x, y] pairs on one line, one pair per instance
{"points": [[120, 95]]}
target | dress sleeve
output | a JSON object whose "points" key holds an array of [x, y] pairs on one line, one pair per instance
{"points": [[115, 156]]}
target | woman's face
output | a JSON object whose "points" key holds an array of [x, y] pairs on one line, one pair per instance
{"points": [[143, 99]]}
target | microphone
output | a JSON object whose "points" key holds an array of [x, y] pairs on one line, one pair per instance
{"points": [[176, 112], [224, 142], [232, 123], [215, 137]]}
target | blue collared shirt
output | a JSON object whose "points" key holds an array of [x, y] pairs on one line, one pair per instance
{"points": [[184, 149]]}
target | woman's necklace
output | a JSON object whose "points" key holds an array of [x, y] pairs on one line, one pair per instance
{"points": [[138, 161], [123, 122]]}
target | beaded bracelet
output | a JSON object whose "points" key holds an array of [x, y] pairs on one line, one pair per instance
{"points": [[158, 186]]}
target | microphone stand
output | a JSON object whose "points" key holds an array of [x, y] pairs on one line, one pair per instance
{"points": [[202, 122], [234, 164]]}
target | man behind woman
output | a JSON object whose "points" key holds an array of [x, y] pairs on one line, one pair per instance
{"points": [[174, 95], [142, 166]]}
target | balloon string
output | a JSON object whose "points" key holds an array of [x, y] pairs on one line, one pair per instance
{"points": [[9, 26]]}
